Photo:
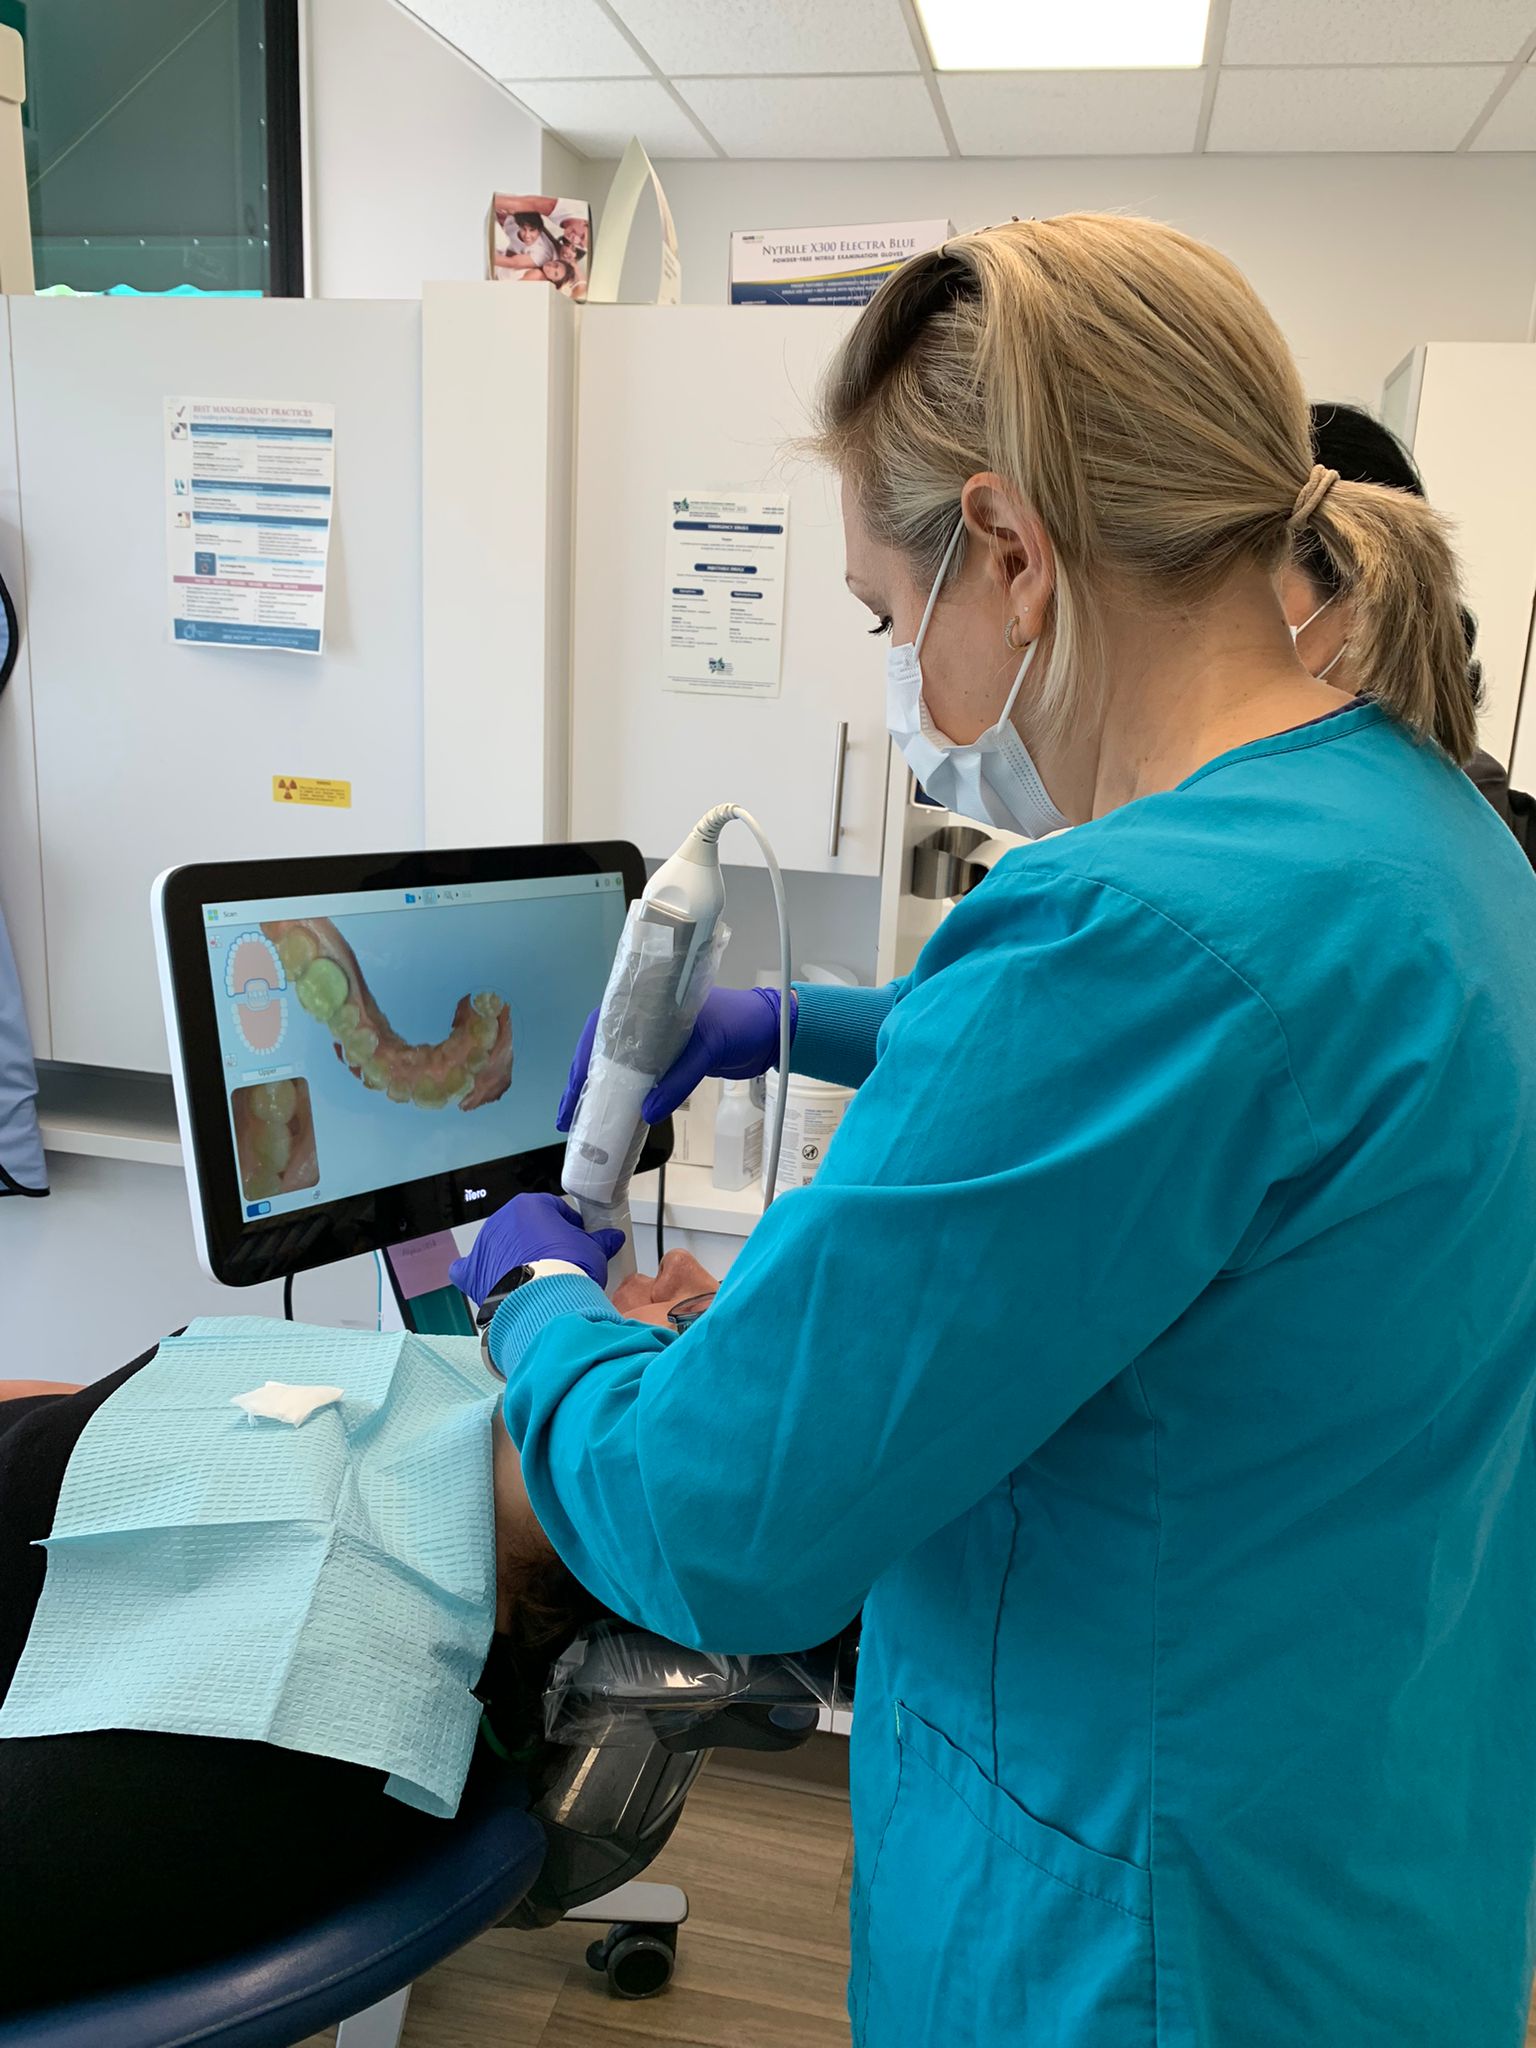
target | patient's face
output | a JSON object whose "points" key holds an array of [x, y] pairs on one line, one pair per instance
{"points": [[649, 1298]]}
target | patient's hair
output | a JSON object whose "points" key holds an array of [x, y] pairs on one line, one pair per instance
{"points": [[1125, 380]]}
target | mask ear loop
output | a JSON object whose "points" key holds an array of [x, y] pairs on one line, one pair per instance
{"points": [[1018, 683], [938, 584], [1297, 631]]}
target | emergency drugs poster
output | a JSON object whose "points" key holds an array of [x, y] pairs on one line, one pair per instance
{"points": [[724, 620], [248, 490]]}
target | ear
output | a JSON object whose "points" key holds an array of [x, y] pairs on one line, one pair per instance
{"points": [[1015, 548]]}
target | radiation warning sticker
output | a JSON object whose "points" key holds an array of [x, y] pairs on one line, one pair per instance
{"points": [[312, 789]]}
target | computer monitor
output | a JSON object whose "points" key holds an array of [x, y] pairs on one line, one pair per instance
{"points": [[367, 1048]]}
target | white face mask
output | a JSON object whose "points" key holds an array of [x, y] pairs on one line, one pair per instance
{"points": [[1297, 631], [993, 778]]}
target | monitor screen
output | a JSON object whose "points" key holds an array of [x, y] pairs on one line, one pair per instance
{"points": [[368, 1048], [389, 1034]]}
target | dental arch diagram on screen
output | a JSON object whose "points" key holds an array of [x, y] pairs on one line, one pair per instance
{"points": [[367, 1037], [467, 1068]]}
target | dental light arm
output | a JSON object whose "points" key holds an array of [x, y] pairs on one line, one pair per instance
{"points": [[665, 966]]}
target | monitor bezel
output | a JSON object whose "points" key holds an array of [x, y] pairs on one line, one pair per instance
{"points": [[242, 1253]]}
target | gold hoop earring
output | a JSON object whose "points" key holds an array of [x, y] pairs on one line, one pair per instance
{"points": [[1013, 646]]}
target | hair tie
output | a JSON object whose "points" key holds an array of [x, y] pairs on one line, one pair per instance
{"points": [[1311, 495]]}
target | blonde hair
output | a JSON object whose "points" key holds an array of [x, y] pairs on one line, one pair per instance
{"points": [[1127, 382]]}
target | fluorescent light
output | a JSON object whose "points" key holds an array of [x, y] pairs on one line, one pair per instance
{"points": [[1064, 35]]}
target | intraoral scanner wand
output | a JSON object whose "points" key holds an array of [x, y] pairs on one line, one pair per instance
{"points": [[664, 968]]}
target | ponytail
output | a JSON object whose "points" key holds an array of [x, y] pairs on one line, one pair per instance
{"points": [[1389, 555]]}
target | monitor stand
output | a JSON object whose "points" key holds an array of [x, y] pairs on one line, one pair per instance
{"points": [[428, 1301]]}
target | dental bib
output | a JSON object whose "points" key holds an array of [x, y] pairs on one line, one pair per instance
{"points": [[328, 1588]]}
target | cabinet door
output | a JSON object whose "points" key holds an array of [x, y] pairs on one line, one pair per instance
{"points": [[151, 754], [696, 398]]}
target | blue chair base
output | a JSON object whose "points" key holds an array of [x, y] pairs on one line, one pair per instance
{"points": [[271, 1997]]}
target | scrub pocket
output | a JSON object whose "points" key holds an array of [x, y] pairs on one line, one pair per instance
{"points": [[985, 1926]]}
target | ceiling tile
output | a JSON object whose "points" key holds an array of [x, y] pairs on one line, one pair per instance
{"points": [[1073, 113], [816, 117], [1417, 108], [597, 117], [1377, 31], [533, 38], [1512, 124], [768, 38]]}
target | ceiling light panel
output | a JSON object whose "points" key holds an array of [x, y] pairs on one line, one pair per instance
{"points": [[1045, 35], [767, 38], [533, 38], [1355, 108], [597, 116], [1073, 113], [1377, 31], [816, 117]]}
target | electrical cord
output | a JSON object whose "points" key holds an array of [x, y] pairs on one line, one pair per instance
{"points": [[287, 1297], [661, 1212]]}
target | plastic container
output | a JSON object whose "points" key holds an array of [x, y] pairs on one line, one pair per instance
{"points": [[812, 1112], [738, 1137]]}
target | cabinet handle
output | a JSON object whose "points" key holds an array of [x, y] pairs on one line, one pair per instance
{"points": [[839, 762]]}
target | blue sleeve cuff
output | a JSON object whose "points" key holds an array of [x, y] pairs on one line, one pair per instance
{"points": [[838, 1029], [528, 1309]]}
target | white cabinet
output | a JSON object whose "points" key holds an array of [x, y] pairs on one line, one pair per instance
{"points": [[710, 398], [151, 754], [1468, 412], [146, 754]]}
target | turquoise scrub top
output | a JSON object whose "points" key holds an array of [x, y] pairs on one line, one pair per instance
{"points": [[1153, 1361]]}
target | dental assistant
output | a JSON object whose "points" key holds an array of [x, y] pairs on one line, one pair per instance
{"points": [[1153, 1357]]}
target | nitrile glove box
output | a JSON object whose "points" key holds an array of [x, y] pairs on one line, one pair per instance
{"points": [[824, 266]]}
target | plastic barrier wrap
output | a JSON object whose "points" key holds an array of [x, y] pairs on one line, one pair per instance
{"points": [[617, 1685], [656, 988]]}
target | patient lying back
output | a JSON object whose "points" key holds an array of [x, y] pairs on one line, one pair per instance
{"points": [[131, 1852]]}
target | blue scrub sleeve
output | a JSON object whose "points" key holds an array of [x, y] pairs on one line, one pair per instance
{"points": [[527, 1309], [1076, 1123], [837, 1030]]}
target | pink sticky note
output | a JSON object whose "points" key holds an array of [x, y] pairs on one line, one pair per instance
{"points": [[421, 1264]]}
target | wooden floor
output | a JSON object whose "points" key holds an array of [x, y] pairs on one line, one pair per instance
{"points": [[761, 1962]]}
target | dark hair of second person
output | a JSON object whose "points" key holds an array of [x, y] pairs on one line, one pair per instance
{"points": [[1362, 450]]}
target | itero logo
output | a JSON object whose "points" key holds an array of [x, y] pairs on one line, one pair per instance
{"points": [[474, 1194]]}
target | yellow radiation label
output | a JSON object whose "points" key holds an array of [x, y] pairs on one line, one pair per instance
{"points": [[312, 789]]}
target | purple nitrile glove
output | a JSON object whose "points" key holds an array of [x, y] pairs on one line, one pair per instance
{"points": [[736, 1037], [532, 1227]]}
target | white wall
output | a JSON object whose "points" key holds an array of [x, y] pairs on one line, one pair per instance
{"points": [[407, 142], [1359, 258], [126, 1227]]}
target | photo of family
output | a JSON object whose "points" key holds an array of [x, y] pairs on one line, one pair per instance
{"points": [[540, 240]]}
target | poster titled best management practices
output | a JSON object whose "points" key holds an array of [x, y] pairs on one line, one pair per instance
{"points": [[725, 593], [248, 491]]}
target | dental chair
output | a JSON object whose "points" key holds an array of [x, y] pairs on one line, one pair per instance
{"points": [[631, 1719]]}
